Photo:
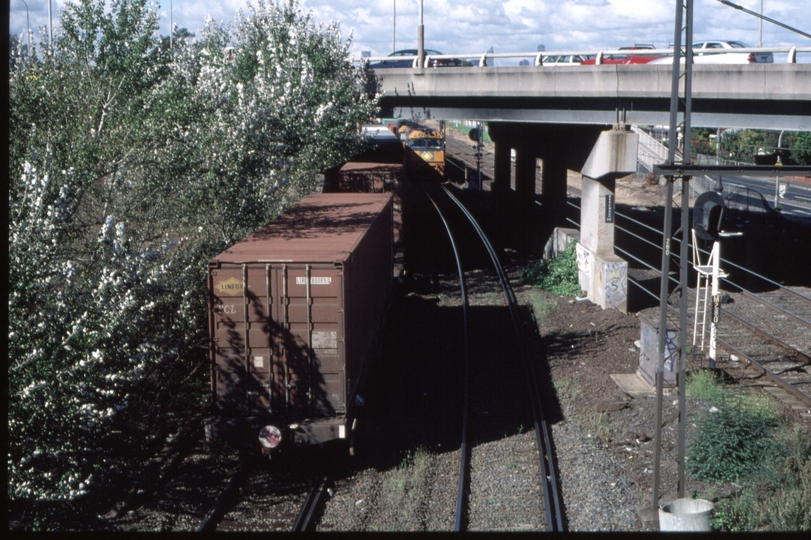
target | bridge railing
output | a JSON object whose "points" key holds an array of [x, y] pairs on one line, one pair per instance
{"points": [[599, 54]]}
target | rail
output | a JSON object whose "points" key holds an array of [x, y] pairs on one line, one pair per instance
{"points": [[464, 464], [598, 54], [553, 503]]}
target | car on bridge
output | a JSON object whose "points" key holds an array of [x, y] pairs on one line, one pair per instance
{"points": [[629, 58], [723, 52], [405, 59], [565, 59]]}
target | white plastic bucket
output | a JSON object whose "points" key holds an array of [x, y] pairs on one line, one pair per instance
{"points": [[685, 515]]}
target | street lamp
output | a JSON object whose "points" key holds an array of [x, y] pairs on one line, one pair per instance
{"points": [[27, 32]]}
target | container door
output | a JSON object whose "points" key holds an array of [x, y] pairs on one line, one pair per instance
{"points": [[240, 320], [313, 318]]}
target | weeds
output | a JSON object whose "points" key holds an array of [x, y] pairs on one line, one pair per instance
{"points": [[737, 441], [558, 275], [704, 385]]}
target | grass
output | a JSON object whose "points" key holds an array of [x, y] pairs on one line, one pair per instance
{"points": [[704, 385], [541, 309], [741, 440], [402, 486]]}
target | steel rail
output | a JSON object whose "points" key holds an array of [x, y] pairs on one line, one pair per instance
{"points": [[217, 510], [464, 466], [311, 505], [777, 308], [552, 499]]}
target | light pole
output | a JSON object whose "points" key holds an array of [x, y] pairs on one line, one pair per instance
{"points": [[421, 40], [171, 30], [50, 27], [760, 26], [394, 28], [27, 32]]}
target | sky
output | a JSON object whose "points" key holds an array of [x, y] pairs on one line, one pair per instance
{"points": [[460, 26]]}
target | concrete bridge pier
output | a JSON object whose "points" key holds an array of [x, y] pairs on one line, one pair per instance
{"points": [[501, 166], [601, 273]]}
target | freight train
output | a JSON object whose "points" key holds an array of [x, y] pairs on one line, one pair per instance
{"points": [[295, 313]]}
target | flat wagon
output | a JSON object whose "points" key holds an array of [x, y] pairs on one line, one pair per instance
{"points": [[295, 311]]}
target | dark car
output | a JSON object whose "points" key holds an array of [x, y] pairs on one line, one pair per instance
{"points": [[405, 58]]}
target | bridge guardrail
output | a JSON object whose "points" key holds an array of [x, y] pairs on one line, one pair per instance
{"points": [[599, 54]]}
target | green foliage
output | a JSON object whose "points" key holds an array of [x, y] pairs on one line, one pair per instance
{"points": [[735, 514], [801, 150], [731, 439], [558, 275], [777, 497], [704, 385], [130, 166]]}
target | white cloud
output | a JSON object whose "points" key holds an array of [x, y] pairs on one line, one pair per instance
{"points": [[508, 26]]}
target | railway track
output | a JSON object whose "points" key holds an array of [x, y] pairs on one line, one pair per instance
{"points": [[488, 389], [261, 497], [766, 338]]}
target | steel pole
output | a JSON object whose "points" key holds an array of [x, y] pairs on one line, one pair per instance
{"points": [[50, 28], [421, 40], [685, 239], [667, 228]]}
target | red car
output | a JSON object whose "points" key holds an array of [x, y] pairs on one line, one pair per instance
{"points": [[625, 58]]}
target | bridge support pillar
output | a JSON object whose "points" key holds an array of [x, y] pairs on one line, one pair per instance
{"points": [[501, 180], [526, 165], [601, 273], [553, 190]]}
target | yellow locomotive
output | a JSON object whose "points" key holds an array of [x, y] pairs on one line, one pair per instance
{"points": [[424, 150]]}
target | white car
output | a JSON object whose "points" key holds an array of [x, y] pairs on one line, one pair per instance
{"points": [[564, 60], [722, 52]]}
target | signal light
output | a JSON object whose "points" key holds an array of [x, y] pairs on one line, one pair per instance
{"points": [[708, 213]]}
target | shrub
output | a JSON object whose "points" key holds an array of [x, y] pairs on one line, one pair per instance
{"points": [[778, 496], [558, 275], [704, 385], [731, 440]]}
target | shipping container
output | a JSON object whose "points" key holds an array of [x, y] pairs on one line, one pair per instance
{"points": [[295, 314]]}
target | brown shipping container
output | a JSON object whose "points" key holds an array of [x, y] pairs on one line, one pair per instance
{"points": [[295, 313]]}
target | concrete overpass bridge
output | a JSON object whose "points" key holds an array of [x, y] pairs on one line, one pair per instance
{"points": [[576, 118]]}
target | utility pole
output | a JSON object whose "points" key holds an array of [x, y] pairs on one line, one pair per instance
{"points": [[684, 10], [421, 40], [50, 28]]}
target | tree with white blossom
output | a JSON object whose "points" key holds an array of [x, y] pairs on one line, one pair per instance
{"points": [[130, 166]]}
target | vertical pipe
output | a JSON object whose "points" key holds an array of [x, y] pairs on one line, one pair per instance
{"points": [[666, 239], [685, 215]]}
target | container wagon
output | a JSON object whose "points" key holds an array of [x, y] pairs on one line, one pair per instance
{"points": [[295, 314]]}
